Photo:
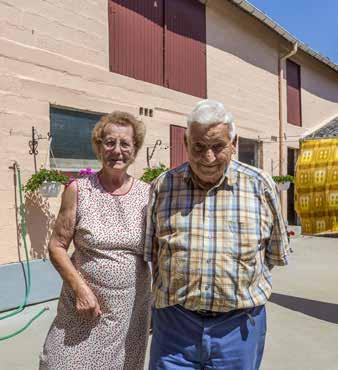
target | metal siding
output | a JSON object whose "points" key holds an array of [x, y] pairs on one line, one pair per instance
{"points": [[178, 154], [293, 93], [136, 39], [185, 47]]}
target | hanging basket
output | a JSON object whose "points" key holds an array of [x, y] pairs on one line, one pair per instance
{"points": [[283, 186], [50, 189]]}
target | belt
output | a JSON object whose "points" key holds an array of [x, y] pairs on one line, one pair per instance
{"points": [[207, 313]]}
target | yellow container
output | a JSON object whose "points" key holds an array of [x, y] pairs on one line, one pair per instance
{"points": [[316, 186]]}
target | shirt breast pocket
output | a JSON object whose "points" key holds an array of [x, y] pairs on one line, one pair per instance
{"points": [[244, 239]]}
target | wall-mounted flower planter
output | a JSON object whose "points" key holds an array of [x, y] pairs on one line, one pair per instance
{"points": [[50, 189], [46, 182], [283, 186]]}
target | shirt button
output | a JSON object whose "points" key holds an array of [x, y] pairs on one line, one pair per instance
{"points": [[208, 260], [206, 287]]}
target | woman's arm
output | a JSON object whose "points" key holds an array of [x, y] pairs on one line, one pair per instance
{"points": [[86, 302]]}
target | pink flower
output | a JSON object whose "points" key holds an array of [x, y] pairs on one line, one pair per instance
{"points": [[86, 172]]}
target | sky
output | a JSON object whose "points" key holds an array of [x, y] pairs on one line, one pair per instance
{"points": [[314, 22]]}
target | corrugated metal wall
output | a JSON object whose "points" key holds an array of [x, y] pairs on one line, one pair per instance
{"points": [[178, 154], [136, 39], [160, 41], [293, 93], [185, 50]]}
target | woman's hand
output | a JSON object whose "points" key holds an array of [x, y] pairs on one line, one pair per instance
{"points": [[86, 303]]}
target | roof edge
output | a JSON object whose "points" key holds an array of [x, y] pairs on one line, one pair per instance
{"points": [[321, 125], [269, 22]]}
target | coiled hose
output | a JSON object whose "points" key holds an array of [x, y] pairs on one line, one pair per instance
{"points": [[27, 270]]}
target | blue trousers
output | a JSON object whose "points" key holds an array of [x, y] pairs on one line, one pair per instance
{"points": [[184, 340]]}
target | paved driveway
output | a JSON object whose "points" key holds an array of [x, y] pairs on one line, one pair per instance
{"points": [[302, 315]]}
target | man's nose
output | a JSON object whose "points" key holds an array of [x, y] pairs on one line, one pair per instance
{"points": [[210, 156]]}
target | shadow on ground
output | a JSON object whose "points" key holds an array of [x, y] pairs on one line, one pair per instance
{"points": [[320, 310]]}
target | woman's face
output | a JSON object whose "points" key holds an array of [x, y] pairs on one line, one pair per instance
{"points": [[117, 148]]}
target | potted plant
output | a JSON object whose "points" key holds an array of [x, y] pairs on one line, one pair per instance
{"points": [[47, 182], [150, 173], [283, 182]]}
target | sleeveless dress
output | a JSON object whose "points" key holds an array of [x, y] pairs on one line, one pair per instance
{"points": [[109, 241]]}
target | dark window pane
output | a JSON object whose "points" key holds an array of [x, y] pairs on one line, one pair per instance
{"points": [[71, 135], [248, 151]]}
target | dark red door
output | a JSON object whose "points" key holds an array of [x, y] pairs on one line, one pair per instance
{"points": [[178, 154], [185, 49], [136, 39]]}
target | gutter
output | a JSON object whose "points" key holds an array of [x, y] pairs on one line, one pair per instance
{"points": [[282, 124]]}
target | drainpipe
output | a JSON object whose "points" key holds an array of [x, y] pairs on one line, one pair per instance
{"points": [[282, 124], [281, 105]]}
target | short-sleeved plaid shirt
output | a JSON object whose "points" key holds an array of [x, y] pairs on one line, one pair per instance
{"points": [[213, 249]]}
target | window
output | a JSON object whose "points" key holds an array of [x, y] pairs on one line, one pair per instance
{"points": [[248, 152], [178, 154], [294, 110], [71, 147], [160, 41]]}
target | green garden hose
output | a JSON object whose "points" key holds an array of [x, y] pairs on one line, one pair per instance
{"points": [[27, 270]]}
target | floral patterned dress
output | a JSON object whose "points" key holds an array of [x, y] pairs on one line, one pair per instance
{"points": [[109, 241]]}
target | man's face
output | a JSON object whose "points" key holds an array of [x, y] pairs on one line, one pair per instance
{"points": [[209, 151]]}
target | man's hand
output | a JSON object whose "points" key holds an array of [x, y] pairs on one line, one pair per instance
{"points": [[86, 303]]}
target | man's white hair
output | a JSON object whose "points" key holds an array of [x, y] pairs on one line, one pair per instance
{"points": [[207, 112]]}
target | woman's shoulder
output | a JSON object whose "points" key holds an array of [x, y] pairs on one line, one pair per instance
{"points": [[87, 179], [142, 187]]}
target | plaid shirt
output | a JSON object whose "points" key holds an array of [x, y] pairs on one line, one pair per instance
{"points": [[213, 249]]}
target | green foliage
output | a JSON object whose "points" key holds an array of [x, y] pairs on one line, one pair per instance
{"points": [[150, 174], [281, 179], [41, 176]]}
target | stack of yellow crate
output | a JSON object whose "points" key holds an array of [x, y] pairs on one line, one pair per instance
{"points": [[316, 186]]}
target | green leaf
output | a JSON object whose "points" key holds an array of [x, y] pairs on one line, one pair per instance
{"points": [[281, 179], [152, 173]]}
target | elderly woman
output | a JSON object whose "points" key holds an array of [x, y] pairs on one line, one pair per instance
{"points": [[103, 312]]}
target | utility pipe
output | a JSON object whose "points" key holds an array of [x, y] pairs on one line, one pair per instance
{"points": [[282, 124], [281, 106]]}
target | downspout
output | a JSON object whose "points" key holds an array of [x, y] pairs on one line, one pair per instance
{"points": [[282, 124], [281, 106]]}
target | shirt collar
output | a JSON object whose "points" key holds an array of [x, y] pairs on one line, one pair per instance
{"points": [[229, 174]]}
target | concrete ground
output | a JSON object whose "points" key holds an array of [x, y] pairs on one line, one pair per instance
{"points": [[302, 315]]}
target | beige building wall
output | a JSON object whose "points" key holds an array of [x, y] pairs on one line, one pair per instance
{"points": [[242, 65], [319, 95], [56, 53], [242, 59]]}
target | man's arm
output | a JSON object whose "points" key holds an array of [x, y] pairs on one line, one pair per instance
{"points": [[277, 250], [150, 247]]}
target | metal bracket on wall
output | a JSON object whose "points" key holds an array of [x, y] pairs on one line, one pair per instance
{"points": [[33, 144], [150, 155]]}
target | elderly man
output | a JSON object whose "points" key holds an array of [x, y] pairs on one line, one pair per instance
{"points": [[214, 232]]}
